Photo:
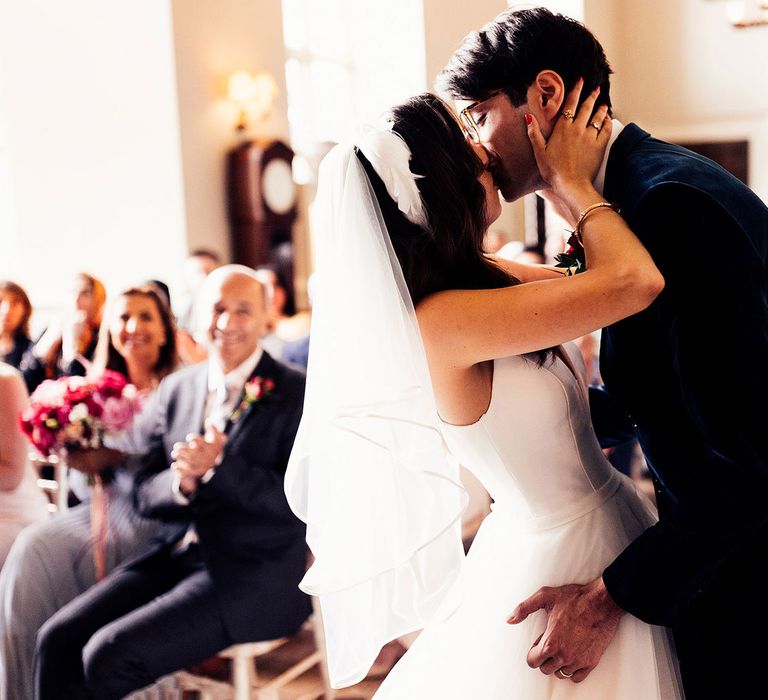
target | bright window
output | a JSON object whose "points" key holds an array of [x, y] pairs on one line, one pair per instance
{"points": [[347, 62]]}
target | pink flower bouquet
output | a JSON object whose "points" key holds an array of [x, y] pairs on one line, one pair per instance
{"points": [[77, 412]]}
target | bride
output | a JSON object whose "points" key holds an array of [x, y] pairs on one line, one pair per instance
{"points": [[427, 353]]}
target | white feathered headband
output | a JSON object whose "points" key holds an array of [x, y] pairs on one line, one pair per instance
{"points": [[389, 156]]}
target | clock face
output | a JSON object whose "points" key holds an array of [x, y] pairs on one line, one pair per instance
{"points": [[277, 186]]}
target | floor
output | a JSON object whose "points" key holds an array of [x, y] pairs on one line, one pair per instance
{"points": [[307, 687]]}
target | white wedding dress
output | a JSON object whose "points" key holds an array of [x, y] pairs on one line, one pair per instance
{"points": [[561, 514]]}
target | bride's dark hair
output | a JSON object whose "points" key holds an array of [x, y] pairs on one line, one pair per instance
{"points": [[447, 253]]}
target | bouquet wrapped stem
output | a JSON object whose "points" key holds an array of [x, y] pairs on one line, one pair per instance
{"points": [[99, 528]]}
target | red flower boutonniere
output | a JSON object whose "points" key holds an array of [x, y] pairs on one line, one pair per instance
{"points": [[256, 389], [573, 258]]}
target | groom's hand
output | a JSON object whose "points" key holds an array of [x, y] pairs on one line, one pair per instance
{"points": [[581, 623]]}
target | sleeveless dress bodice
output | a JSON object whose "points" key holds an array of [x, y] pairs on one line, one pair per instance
{"points": [[561, 513], [534, 449]]}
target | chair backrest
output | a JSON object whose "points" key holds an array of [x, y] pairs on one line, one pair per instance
{"points": [[52, 480]]}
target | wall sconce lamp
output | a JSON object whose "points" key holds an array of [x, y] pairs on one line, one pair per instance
{"points": [[744, 14], [253, 95]]}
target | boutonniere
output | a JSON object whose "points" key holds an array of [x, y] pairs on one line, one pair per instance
{"points": [[573, 258], [255, 390]]}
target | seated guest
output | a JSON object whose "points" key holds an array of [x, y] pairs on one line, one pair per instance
{"points": [[198, 265], [277, 297], [138, 338], [15, 311], [67, 345], [230, 572], [52, 562], [285, 324], [21, 501], [296, 352], [163, 289]]}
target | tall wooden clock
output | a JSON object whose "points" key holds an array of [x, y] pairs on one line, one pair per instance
{"points": [[261, 198]]}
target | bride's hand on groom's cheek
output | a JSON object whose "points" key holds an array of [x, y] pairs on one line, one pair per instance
{"points": [[581, 623]]}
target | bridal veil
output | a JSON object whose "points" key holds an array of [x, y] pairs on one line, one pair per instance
{"points": [[370, 473]]}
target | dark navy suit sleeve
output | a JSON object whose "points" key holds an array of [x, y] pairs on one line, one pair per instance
{"points": [[253, 468], [715, 455], [611, 423]]}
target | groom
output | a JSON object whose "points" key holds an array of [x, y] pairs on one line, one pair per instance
{"points": [[690, 372]]}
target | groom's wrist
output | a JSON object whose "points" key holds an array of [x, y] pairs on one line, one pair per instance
{"points": [[603, 599]]}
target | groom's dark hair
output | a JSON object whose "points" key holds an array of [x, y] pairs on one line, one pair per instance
{"points": [[508, 53]]}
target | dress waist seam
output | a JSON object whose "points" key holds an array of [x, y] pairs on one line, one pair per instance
{"points": [[578, 509]]}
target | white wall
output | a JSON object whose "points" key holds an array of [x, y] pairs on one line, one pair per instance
{"points": [[212, 40], [89, 99], [445, 26], [684, 73], [117, 126]]}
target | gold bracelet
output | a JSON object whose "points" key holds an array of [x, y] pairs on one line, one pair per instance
{"points": [[592, 207]]}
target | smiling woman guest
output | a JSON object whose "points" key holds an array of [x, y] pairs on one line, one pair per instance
{"points": [[137, 338]]}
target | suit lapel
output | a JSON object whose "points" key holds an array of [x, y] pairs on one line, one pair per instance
{"points": [[266, 369]]}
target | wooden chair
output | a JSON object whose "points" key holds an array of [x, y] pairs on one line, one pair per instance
{"points": [[244, 683], [166, 688], [57, 488]]}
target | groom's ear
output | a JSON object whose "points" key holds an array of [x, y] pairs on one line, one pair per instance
{"points": [[548, 93]]}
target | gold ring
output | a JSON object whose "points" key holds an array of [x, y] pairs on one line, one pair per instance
{"points": [[595, 125], [562, 674], [568, 114]]}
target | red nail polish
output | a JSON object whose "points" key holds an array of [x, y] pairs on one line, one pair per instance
{"points": [[597, 90], [528, 119]]}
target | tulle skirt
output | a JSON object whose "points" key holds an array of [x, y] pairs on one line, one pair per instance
{"points": [[475, 655]]}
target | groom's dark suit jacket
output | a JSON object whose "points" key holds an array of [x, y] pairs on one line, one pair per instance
{"points": [[251, 543], [692, 373]]}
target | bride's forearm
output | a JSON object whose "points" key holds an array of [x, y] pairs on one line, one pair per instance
{"points": [[524, 272]]}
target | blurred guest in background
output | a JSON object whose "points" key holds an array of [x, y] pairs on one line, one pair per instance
{"points": [[285, 324], [68, 343], [531, 254], [277, 298], [296, 352], [518, 251], [494, 240], [15, 311], [138, 338], [21, 501], [51, 563], [198, 265], [229, 573], [163, 289]]}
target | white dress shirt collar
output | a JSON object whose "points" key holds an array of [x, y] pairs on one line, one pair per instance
{"points": [[237, 377], [599, 182]]}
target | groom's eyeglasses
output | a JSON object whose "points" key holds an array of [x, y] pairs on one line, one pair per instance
{"points": [[468, 123]]}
